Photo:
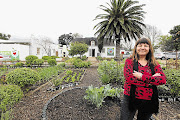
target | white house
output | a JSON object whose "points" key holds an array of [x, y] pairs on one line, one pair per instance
{"points": [[18, 49], [108, 51]]}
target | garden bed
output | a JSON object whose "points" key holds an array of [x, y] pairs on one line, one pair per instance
{"points": [[71, 105]]}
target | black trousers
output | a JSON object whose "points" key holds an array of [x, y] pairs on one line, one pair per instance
{"points": [[126, 114]]}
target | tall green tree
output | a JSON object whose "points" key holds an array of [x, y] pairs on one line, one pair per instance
{"points": [[78, 48], [175, 32], [65, 39], [4, 36], [123, 20], [165, 43]]}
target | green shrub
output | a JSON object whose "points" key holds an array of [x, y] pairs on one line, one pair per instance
{"points": [[110, 72], [22, 77], [84, 58], [46, 57], [9, 95], [71, 60], [7, 115], [30, 59], [105, 79], [19, 64], [99, 58], [38, 62], [52, 62], [77, 63], [62, 64], [54, 57], [173, 79]]}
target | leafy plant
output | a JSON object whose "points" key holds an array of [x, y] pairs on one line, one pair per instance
{"points": [[38, 62], [22, 77], [99, 58], [30, 59], [67, 79], [9, 95], [54, 57], [46, 73], [46, 57], [19, 64], [173, 79], [69, 72], [84, 57], [52, 62], [61, 64], [56, 81], [110, 71], [6, 115], [97, 95]]}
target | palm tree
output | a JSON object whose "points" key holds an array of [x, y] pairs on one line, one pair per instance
{"points": [[123, 20]]}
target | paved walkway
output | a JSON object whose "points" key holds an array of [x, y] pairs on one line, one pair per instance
{"points": [[93, 61]]}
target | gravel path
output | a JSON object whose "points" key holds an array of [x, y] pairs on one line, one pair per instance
{"points": [[91, 78]]}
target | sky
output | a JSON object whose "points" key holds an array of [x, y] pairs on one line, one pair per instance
{"points": [[52, 18]]}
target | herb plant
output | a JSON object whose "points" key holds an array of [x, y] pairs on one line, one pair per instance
{"points": [[97, 95]]}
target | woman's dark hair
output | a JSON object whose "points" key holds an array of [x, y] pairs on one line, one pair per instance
{"points": [[150, 56]]}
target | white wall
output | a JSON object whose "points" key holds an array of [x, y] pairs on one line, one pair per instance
{"points": [[34, 46], [96, 52], [106, 51], [23, 49]]}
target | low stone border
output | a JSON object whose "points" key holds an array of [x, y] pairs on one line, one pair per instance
{"points": [[44, 117]]}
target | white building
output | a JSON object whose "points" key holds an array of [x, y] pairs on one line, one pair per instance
{"points": [[108, 51], [20, 48]]}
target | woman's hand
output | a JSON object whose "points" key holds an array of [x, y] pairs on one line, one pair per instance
{"points": [[138, 75], [157, 74]]}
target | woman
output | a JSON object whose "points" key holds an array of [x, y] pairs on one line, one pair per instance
{"points": [[142, 74]]}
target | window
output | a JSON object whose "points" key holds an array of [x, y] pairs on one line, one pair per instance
{"points": [[38, 51], [92, 43]]}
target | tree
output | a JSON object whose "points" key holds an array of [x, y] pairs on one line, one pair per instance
{"points": [[100, 45], [123, 20], [152, 33], [175, 32], [65, 39], [165, 43], [44, 42], [77, 35], [78, 48], [4, 36]]}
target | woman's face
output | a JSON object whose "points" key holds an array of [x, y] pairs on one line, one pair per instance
{"points": [[142, 49]]}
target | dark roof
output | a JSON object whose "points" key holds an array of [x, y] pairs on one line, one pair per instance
{"points": [[89, 39]]}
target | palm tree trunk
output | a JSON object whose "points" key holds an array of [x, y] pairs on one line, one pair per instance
{"points": [[118, 48], [176, 60]]}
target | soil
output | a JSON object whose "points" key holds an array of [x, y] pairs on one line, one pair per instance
{"points": [[68, 106], [71, 105]]}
